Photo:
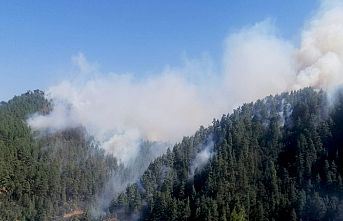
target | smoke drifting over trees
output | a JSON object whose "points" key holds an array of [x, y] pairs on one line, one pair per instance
{"points": [[121, 110], [115, 145]]}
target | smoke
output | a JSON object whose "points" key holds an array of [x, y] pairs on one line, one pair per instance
{"points": [[202, 157], [257, 63], [127, 174], [320, 56], [121, 110]]}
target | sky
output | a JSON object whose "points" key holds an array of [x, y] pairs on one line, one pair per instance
{"points": [[39, 38]]}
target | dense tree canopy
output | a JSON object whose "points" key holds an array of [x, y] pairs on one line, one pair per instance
{"points": [[279, 158], [45, 177]]}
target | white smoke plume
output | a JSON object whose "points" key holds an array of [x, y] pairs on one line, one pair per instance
{"points": [[121, 110], [126, 175], [202, 157], [257, 63], [320, 56]]}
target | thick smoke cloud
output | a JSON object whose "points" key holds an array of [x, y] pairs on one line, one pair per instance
{"points": [[257, 63], [320, 56], [121, 110]]}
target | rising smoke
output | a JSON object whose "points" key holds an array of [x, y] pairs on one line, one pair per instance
{"points": [[120, 110], [201, 158]]}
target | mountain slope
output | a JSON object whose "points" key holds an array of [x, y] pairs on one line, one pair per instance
{"points": [[42, 179], [279, 158]]}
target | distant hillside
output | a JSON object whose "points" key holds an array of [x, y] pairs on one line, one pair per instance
{"points": [[280, 158], [46, 178]]}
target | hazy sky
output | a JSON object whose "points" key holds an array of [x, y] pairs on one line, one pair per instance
{"points": [[38, 38]]}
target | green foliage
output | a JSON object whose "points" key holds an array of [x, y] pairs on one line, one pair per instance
{"points": [[41, 179], [279, 158], [237, 215]]}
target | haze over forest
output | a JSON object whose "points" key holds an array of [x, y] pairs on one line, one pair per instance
{"points": [[255, 134]]}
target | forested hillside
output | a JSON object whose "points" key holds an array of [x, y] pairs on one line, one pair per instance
{"points": [[280, 158], [46, 176]]}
